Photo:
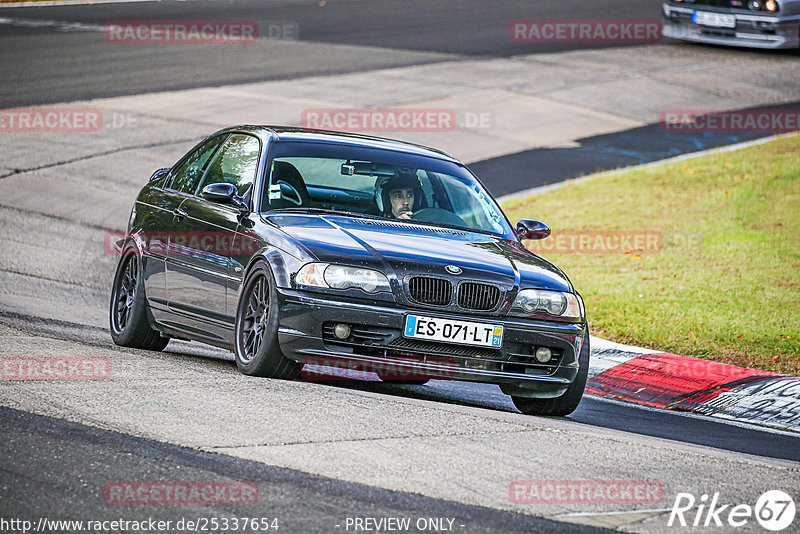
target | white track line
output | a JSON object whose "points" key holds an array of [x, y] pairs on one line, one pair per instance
{"points": [[70, 3], [60, 25]]}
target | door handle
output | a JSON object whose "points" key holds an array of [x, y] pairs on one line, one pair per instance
{"points": [[179, 214]]}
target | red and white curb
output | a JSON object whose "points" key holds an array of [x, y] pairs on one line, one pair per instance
{"points": [[667, 381], [684, 383]]}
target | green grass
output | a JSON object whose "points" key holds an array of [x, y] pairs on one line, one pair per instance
{"points": [[726, 284]]}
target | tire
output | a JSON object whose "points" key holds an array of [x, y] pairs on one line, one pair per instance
{"points": [[256, 336], [128, 312], [566, 403]]}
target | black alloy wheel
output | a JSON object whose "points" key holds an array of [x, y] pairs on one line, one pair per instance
{"points": [[129, 315], [257, 317]]}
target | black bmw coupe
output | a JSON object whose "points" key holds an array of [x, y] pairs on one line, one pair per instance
{"points": [[291, 246]]}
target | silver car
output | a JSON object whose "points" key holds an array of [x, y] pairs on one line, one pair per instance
{"points": [[753, 23]]}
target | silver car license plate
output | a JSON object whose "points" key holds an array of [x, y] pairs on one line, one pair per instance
{"points": [[715, 20]]}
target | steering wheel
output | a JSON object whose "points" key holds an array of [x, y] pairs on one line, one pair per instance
{"points": [[438, 215], [293, 192]]}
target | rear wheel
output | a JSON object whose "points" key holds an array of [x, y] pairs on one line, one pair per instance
{"points": [[128, 314], [257, 350], [566, 403]]}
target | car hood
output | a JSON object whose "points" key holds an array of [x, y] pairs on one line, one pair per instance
{"points": [[403, 249]]}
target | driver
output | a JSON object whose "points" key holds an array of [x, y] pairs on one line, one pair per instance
{"points": [[401, 195]]}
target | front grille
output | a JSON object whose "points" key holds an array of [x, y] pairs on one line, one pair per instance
{"points": [[434, 291], [714, 3], [432, 347], [386, 342], [475, 296], [517, 359], [718, 32], [726, 4]]}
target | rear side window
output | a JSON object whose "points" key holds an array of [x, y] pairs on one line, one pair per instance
{"points": [[235, 163], [187, 175]]}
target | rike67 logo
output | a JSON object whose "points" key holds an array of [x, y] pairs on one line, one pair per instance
{"points": [[774, 510]]}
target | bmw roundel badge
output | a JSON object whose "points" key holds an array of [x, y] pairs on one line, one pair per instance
{"points": [[452, 269]]}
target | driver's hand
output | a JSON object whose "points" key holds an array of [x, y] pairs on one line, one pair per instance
{"points": [[405, 215]]}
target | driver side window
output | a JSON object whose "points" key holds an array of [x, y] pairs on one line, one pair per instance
{"points": [[235, 163], [189, 172]]}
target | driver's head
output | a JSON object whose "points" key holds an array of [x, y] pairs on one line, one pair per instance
{"points": [[401, 195], [402, 202]]}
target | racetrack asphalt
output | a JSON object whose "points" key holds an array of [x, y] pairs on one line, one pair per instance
{"points": [[338, 36], [71, 486]]}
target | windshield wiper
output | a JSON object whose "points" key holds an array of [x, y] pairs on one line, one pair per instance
{"points": [[318, 210]]}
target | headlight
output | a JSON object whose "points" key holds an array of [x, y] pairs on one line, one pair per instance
{"points": [[311, 274], [556, 303], [341, 277]]}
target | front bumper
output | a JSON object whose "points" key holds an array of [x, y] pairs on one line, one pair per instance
{"points": [[752, 30], [377, 343]]}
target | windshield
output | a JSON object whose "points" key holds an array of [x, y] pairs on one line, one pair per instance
{"points": [[379, 183]]}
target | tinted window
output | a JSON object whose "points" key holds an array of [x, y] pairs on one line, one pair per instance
{"points": [[359, 181], [235, 163], [188, 174]]}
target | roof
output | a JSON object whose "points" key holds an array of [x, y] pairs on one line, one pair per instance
{"points": [[289, 133]]}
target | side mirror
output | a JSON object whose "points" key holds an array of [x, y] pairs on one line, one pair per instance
{"points": [[159, 173], [224, 194], [530, 229]]}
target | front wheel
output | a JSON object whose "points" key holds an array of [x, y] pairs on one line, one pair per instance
{"points": [[256, 346], [128, 314], [566, 403]]}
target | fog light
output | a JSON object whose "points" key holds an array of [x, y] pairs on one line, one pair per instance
{"points": [[341, 331], [543, 354]]}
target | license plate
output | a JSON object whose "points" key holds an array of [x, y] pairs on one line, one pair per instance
{"points": [[716, 20], [452, 331]]}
